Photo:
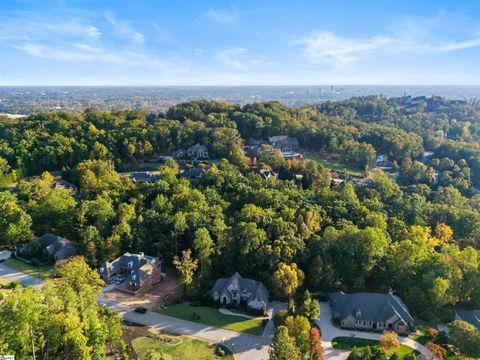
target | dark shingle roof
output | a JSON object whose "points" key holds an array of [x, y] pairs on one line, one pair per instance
{"points": [[470, 316], [57, 246], [140, 264], [283, 139], [237, 283], [193, 173], [143, 176], [373, 306]]}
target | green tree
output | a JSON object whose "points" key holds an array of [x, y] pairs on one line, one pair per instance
{"points": [[466, 337], [310, 308], [283, 346], [299, 329], [353, 354], [203, 245], [186, 267], [367, 354], [15, 223], [380, 354], [286, 279]]}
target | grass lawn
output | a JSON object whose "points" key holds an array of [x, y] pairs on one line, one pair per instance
{"points": [[4, 282], [346, 343], [187, 349], [211, 316], [334, 165], [422, 336], [40, 272]]}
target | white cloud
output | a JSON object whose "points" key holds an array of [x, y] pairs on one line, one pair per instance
{"points": [[327, 47], [237, 58], [231, 57], [222, 16], [123, 27], [70, 52], [80, 52], [27, 28]]}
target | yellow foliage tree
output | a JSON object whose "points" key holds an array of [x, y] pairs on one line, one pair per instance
{"points": [[389, 340]]}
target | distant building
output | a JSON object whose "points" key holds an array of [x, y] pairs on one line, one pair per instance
{"points": [[470, 316], [132, 273], [65, 185], [284, 143], [383, 162], [258, 142], [143, 177], [266, 174], [47, 248], [253, 151], [194, 173], [197, 152], [372, 311], [180, 153], [237, 289]]}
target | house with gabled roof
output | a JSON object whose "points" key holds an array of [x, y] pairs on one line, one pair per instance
{"points": [[194, 173], [132, 273], [371, 311], [284, 143], [266, 174], [48, 247], [143, 177], [236, 289]]}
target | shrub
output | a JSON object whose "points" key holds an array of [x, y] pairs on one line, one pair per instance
{"points": [[389, 340], [15, 284], [432, 333], [279, 317], [222, 350], [436, 350]]}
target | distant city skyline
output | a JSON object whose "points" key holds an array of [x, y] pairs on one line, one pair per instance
{"points": [[218, 43]]}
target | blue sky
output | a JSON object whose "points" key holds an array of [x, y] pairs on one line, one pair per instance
{"points": [[188, 42]]}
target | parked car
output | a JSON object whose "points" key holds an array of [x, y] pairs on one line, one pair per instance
{"points": [[140, 310]]}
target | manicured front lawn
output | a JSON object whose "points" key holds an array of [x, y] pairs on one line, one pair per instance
{"points": [[40, 272], [211, 316], [346, 343], [334, 165], [187, 349]]}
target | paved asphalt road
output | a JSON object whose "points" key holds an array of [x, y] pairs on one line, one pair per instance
{"points": [[245, 346], [15, 275]]}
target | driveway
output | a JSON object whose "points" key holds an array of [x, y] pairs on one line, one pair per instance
{"points": [[329, 331], [272, 309], [245, 346], [15, 275], [5, 254]]}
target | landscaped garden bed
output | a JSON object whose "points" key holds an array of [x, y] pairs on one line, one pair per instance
{"points": [[348, 343], [185, 348]]}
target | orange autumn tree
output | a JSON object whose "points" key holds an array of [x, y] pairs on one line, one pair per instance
{"points": [[316, 350], [436, 350]]}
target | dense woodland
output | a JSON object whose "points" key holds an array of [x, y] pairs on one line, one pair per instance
{"points": [[419, 237]]}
